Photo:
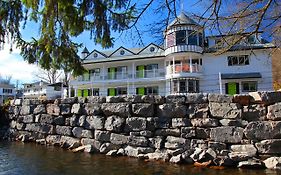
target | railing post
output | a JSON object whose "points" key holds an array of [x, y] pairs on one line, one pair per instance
{"points": [[190, 64]]}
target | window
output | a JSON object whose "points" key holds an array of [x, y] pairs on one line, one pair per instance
{"points": [[182, 86], [197, 61], [180, 37], [122, 91], [185, 85], [170, 40], [95, 72], [122, 52], [96, 92], [9, 91], [152, 49], [152, 66], [251, 39], [152, 90], [238, 60], [250, 86], [147, 90], [218, 43], [192, 38], [200, 39], [95, 55]]}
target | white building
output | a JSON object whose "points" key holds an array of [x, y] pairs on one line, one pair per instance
{"points": [[186, 64], [7, 91], [43, 89]]}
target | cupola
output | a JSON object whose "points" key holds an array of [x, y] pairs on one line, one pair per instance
{"points": [[84, 53], [183, 34]]}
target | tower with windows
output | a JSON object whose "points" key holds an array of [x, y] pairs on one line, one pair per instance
{"points": [[184, 43]]}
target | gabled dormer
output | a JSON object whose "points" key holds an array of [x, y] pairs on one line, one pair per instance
{"points": [[96, 55], [184, 35], [121, 51], [151, 49]]}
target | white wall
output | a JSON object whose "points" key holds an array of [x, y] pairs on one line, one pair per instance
{"points": [[212, 65]]}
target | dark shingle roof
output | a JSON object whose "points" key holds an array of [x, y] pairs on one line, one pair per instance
{"points": [[183, 19]]}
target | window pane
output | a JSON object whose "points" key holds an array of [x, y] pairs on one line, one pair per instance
{"points": [[180, 37], [192, 38], [201, 39], [182, 86], [170, 40], [250, 86]]}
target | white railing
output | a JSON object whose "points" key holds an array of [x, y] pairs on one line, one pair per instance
{"points": [[149, 73], [154, 73], [183, 68]]}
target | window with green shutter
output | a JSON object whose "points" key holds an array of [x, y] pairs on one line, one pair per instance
{"points": [[85, 92], [111, 92], [141, 91], [140, 71], [79, 92], [112, 73]]}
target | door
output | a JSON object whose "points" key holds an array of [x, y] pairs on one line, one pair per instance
{"points": [[141, 91], [141, 71], [232, 88]]}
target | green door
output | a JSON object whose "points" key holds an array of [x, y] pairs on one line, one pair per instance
{"points": [[79, 93], [140, 71], [232, 88], [141, 91], [112, 73], [85, 92], [111, 92]]}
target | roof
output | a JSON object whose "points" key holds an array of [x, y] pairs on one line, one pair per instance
{"points": [[183, 19], [57, 84], [2, 85], [241, 75], [242, 47], [85, 50]]}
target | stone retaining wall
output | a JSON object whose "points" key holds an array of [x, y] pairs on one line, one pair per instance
{"points": [[217, 129]]}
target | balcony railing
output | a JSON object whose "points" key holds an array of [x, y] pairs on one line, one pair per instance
{"points": [[149, 73], [123, 75], [183, 68]]}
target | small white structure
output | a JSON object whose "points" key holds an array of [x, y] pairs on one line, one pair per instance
{"points": [[7, 91], [43, 89], [186, 64]]}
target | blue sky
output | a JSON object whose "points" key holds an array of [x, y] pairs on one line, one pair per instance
{"points": [[14, 65]]}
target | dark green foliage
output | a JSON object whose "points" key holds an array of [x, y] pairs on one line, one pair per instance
{"points": [[60, 20]]}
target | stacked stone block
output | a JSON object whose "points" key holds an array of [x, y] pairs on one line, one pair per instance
{"points": [[225, 130]]}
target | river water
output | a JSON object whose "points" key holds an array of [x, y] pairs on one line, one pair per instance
{"points": [[28, 158]]}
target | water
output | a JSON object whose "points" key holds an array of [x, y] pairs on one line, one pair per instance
{"points": [[28, 158]]}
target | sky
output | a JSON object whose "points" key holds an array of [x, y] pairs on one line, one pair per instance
{"points": [[12, 64]]}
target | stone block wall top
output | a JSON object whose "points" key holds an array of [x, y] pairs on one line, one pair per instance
{"points": [[265, 97]]}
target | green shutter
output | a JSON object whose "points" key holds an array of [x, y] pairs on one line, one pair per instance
{"points": [[232, 88], [111, 73], [79, 93], [85, 93], [111, 92], [141, 91], [140, 71]]}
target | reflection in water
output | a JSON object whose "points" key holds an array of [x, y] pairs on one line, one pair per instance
{"points": [[22, 158]]}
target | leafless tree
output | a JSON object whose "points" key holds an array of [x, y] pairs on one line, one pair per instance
{"points": [[5, 79], [50, 76]]}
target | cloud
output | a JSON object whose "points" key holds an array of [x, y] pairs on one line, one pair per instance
{"points": [[13, 64]]}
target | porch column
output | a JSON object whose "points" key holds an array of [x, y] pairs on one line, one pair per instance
{"points": [[190, 64], [69, 91], [103, 72], [174, 65], [133, 70], [75, 92]]}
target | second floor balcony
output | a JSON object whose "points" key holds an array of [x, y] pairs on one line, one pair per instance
{"points": [[183, 68], [111, 76]]}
